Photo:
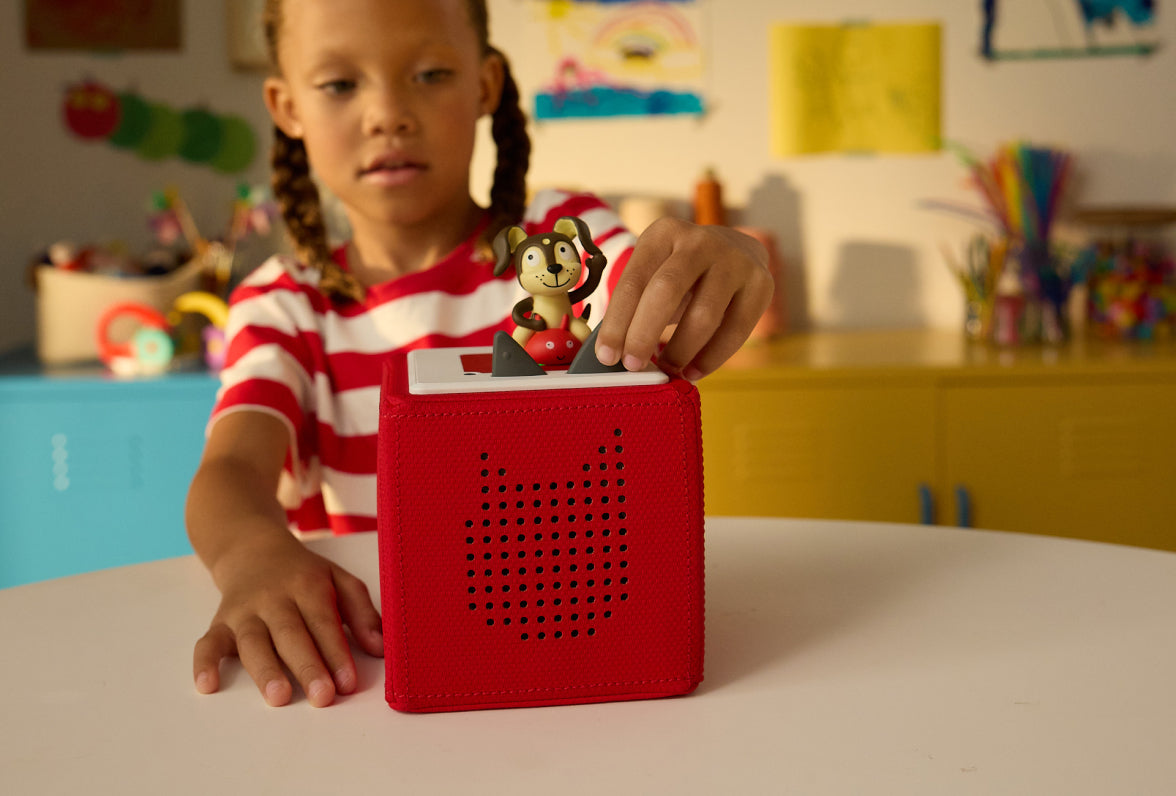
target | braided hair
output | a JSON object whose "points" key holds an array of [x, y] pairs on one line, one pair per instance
{"points": [[298, 196]]}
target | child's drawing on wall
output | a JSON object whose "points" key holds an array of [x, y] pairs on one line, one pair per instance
{"points": [[1066, 29], [621, 58]]}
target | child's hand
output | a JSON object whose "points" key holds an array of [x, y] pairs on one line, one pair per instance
{"points": [[283, 605], [712, 281]]}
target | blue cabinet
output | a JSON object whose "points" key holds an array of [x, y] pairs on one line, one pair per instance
{"points": [[94, 470]]}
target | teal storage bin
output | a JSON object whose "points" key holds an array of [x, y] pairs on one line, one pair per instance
{"points": [[94, 470]]}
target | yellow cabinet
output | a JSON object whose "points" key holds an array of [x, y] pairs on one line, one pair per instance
{"points": [[916, 426], [819, 449], [1082, 458]]}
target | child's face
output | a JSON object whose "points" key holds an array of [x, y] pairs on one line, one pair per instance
{"points": [[385, 94]]}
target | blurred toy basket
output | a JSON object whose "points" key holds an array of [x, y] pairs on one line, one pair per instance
{"points": [[69, 304]]}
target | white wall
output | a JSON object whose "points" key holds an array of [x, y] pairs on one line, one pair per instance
{"points": [[859, 250]]}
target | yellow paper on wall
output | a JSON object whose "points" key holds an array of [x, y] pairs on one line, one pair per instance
{"points": [[855, 88]]}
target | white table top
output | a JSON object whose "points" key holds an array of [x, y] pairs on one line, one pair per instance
{"points": [[841, 658]]}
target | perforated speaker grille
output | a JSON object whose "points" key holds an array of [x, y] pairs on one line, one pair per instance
{"points": [[549, 559]]}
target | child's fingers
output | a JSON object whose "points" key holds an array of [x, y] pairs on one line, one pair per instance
{"points": [[296, 647], [610, 334], [613, 330], [359, 613], [255, 648], [647, 298], [662, 300], [706, 309], [212, 648], [322, 619], [743, 313], [723, 309], [721, 276]]}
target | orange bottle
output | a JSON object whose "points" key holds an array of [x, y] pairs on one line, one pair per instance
{"points": [[708, 200]]}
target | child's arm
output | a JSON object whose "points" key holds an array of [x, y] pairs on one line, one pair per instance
{"points": [[712, 281], [280, 603]]}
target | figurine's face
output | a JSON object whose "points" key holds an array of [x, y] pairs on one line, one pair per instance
{"points": [[548, 264]]}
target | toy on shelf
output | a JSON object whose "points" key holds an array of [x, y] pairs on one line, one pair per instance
{"points": [[157, 339], [548, 333], [1132, 280], [216, 311], [148, 351]]}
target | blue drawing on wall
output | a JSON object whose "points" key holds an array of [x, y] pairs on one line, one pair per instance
{"points": [[1057, 32]]}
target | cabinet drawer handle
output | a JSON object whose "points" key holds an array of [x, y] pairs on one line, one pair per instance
{"points": [[963, 507], [926, 505]]}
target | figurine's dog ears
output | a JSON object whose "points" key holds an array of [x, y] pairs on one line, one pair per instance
{"points": [[507, 241]]}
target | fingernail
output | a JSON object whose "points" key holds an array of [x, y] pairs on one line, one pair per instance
{"points": [[606, 354], [633, 363], [692, 374], [317, 689], [344, 678], [274, 692], [204, 683]]}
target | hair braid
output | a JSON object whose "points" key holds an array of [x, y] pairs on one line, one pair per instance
{"points": [[508, 194], [296, 192], [302, 210]]}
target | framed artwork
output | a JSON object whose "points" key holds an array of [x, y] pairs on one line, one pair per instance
{"points": [[103, 25]]}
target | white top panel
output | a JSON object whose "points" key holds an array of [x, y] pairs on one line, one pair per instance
{"points": [[438, 371]]}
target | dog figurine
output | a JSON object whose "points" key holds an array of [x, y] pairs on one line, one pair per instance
{"points": [[548, 266]]}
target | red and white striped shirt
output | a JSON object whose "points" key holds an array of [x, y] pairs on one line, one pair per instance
{"points": [[316, 364]]}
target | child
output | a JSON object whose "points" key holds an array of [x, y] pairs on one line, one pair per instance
{"points": [[382, 97]]}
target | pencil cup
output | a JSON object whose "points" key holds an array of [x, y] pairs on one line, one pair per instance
{"points": [[977, 321], [539, 547], [1017, 320]]}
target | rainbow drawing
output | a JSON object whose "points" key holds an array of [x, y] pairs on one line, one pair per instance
{"points": [[623, 58]]}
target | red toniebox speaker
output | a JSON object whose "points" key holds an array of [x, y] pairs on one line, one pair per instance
{"points": [[541, 537]]}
